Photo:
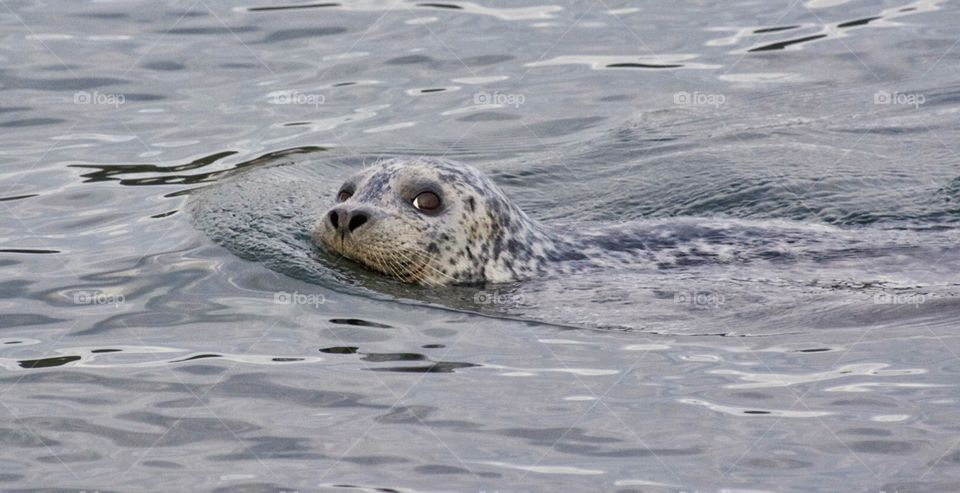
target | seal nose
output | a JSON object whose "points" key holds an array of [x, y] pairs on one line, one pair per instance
{"points": [[347, 221], [357, 219], [334, 218]]}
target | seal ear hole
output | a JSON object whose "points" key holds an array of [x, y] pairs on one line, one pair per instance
{"points": [[427, 202]]}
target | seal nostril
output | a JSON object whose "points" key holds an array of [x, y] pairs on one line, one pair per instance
{"points": [[334, 219], [356, 221]]}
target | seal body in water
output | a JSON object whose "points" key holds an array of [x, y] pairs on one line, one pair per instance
{"points": [[432, 221]]}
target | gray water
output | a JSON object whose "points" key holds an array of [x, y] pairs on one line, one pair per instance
{"points": [[166, 326]]}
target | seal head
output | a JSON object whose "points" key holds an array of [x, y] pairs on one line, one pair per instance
{"points": [[434, 222]]}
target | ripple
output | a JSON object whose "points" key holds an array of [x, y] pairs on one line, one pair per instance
{"points": [[142, 357], [437, 367], [47, 362], [883, 19], [97, 137], [359, 323], [859, 22], [481, 80], [31, 122], [561, 470], [780, 45], [509, 371], [217, 30], [293, 7], [503, 13], [430, 90], [766, 30], [871, 386], [766, 380], [743, 411], [32, 251], [390, 128], [301, 33], [340, 350], [600, 62], [174, 174], [419, 21]]}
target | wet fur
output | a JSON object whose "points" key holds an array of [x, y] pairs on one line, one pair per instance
{"points": [[478, 236]]}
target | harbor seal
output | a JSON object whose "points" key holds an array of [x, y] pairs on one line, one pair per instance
{"points": [[435, 222]]}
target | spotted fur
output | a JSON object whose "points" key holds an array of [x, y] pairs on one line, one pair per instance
{"points": [[478, 235]]}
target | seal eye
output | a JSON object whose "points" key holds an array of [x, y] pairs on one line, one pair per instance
{"points": [[343, 195], [427, 201]]}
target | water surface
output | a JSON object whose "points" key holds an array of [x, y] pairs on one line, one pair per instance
{"points": [[144, 347]]}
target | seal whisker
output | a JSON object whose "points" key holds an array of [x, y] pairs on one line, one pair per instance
{"points": [[425, 264], [409, 256], [428, 263], [388, 267], [404, 273]]}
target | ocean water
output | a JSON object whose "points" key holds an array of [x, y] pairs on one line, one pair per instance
{"points": [[165, 324]]}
